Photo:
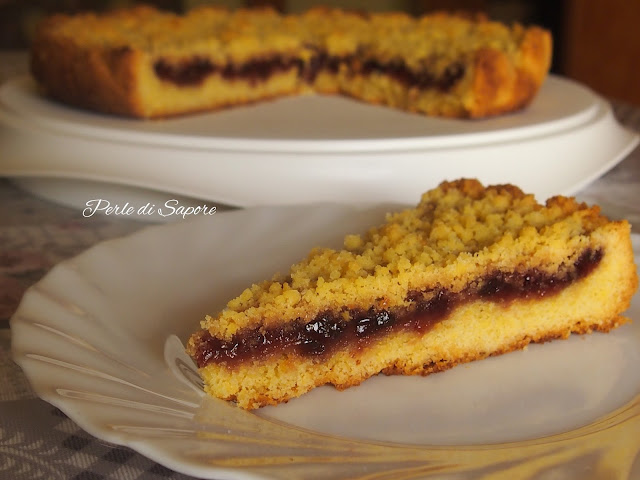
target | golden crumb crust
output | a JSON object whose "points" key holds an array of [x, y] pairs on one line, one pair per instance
{"points": [[457, 232], [459, 238], [147, 63]]}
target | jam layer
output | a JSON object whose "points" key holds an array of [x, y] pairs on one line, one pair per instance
{"points": [[330, 332], [192, 72]]}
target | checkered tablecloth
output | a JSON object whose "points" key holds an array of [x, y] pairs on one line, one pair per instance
{"points": [[36, 439]]}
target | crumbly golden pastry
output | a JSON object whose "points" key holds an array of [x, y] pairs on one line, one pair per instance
{"points": [[470, 272], [143, 62]]}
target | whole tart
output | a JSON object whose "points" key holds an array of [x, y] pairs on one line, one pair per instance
{"points": [[144, 62]]}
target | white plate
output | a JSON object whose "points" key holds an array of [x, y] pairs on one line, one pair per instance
{"points": [[315, 149], [310, 123], [91, 339]]}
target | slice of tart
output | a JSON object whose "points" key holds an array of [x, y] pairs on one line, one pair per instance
{"points": [[470, 272]]}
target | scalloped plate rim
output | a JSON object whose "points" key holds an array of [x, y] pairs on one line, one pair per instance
{"points": [[156, 453]]}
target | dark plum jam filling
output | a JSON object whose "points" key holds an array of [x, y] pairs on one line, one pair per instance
{"points": [[193, 71], [423, 79], [330, 332]]}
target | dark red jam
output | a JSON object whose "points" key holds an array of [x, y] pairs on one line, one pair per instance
{"points": [[194, 71], [330, 332], [321, 61], [186, 72], [423, 79]]}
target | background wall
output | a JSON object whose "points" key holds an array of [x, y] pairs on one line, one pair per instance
{"points": [[602, 46]]}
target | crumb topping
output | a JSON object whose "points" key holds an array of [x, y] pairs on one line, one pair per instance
{"points": [[431, 40], [458, 231]]}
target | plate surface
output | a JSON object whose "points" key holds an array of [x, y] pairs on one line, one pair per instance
{"points": [[92, 339], [310, 123], [313, 149]]}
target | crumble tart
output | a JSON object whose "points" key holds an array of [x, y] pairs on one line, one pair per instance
{"points": [[147, 63]]}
